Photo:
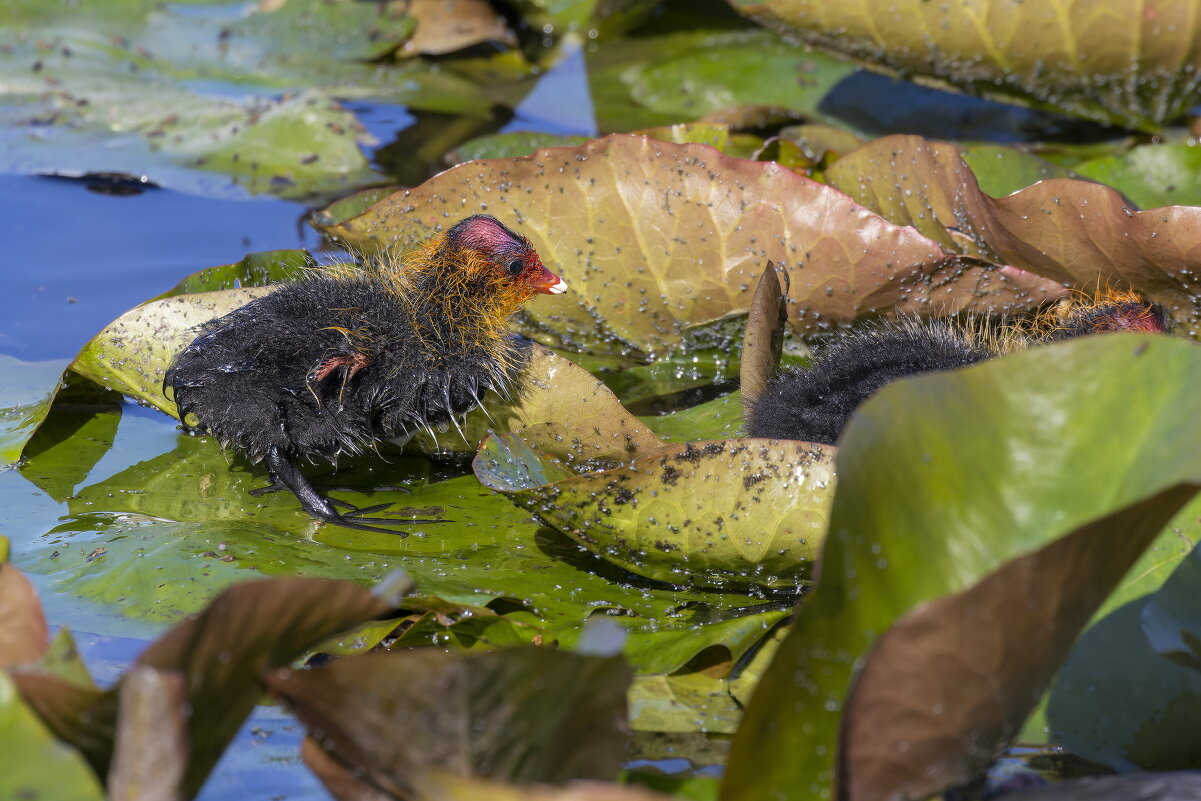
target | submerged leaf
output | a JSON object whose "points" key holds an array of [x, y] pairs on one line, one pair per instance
{"points": [[655, 238], [711, 513], [912, 524], [1109, 61]]}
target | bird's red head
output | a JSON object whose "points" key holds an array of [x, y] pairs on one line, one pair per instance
{"points": [[486, 245]]}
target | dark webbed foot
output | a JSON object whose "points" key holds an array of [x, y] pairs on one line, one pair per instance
{"points": [[286, 475]]}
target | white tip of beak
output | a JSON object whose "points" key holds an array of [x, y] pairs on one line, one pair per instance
{"points": [[559, 288]]}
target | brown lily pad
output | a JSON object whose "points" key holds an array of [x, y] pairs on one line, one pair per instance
{"points": [[655, 238], [444, 26], [1072, 232], [517, 714]]}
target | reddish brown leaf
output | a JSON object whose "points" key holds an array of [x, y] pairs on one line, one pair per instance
{"points": [[1073, 232], [654, 237], [23, 633]]}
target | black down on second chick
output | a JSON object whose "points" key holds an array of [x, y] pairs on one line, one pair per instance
{"points": [[814, 405], [333, 363]]}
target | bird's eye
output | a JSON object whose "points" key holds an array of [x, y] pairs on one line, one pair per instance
{"points": [[515, 267]]}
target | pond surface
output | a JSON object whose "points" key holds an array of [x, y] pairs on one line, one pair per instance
{"points": [[81, 251]]}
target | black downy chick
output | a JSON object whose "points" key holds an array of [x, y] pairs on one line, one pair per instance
{"points": [[815, 404], [340, 360]]}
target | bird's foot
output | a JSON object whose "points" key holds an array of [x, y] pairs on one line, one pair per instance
{"points": [[285, 475]]}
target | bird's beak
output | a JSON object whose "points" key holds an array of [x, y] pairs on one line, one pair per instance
{"points": [[549, 283]]}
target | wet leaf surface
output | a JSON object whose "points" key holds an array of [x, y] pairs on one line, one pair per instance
{"points": [[119, 547], [655, 238], [1075, 232], [29, 389], [710, 513], [132, 353], [514, 714], [1106, 61], [914, 526], [716, 419]]}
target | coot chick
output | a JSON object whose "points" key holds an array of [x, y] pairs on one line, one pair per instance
{"points": [[334, 363], [815, 404]]}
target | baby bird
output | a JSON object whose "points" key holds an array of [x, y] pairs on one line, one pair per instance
{"points": [[814, 405], [340, 360]]}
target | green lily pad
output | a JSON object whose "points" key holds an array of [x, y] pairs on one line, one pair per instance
{"points": [[1151, 175], [29, 389], [644, 269], [715, 419], [33, 763], [683, 703], [159, 539], [132, 353], [1076, 232], [1106, 61], [1149, 699], [915, 528], [180, 92], [254, 270], [712, 513], [1001, 170]]}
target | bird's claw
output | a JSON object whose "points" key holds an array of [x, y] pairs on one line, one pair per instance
{"points": [[354, 518]]}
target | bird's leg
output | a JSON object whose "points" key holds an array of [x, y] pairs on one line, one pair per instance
{"points": [[285, 474]]}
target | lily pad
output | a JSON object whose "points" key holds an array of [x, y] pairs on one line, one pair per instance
{"points": [[33, 763], [518, 714], [638, 228], [1148, 699], [132, 353], [715, 419], [1074, 232], [29, 389], [120, 546], [1106, 61], [712, 513], [911, 527], [1151, 175]]}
